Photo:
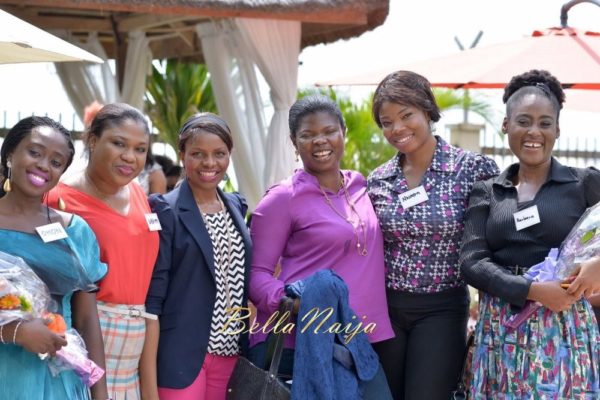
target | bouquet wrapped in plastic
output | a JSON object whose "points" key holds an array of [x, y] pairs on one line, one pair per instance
{"points": [[580, 245], [24, 296], [74, 356]]}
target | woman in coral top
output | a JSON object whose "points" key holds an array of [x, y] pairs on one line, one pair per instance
{"points": [[117, 211]]}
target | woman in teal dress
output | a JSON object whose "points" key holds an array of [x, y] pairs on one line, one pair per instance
{"points": [[34, 154]]}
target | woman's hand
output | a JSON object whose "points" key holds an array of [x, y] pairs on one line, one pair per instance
{"points": [[551, 295], [587, 282], [35, 337]]}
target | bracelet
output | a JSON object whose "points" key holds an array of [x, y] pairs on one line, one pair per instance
{"points": [[1, 336], [15, 331]]}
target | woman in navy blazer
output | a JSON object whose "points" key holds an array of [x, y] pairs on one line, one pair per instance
{"points": [[201, 271]]}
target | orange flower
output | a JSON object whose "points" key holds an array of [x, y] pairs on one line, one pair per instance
{"points": [[10, 302], [57, 323]]}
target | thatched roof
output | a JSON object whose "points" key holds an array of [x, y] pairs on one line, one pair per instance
{"points": [[170, 23]]}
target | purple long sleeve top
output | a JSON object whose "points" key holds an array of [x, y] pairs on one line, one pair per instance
{"points": [[294, 225]]}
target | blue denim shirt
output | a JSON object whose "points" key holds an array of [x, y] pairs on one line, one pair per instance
{"points": [[321, 360]]}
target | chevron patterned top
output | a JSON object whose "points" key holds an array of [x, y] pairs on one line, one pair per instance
{"points": [[223, 343]]}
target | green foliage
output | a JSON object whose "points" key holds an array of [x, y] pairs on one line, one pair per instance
{"points": [[448, 99], [174, 94]]}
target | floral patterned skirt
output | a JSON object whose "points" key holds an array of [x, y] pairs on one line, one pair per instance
{"points": [[550, 356]]}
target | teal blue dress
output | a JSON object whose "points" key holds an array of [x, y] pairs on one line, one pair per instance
{"points": [[66, 266]]}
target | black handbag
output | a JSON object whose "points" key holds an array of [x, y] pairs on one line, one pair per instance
{"points": [[249, 382], [462, 386]]}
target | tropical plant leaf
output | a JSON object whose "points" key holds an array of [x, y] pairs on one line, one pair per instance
{"points": [[172, 96]]}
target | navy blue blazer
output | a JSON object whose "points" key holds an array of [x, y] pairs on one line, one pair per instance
{"points": [[183, 290]]}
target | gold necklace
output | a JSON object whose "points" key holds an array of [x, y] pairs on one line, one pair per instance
{"points": [[223, 267], [360, 248]]}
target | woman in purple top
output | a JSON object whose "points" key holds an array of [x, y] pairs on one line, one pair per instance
{"points": [[320, 217], [420, 197]]}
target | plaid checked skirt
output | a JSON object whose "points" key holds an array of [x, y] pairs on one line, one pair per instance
{"points": [[123, 342]]}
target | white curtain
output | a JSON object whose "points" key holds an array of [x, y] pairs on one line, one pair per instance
{"points": [[238, 99], [87, 82], [274, 45]]}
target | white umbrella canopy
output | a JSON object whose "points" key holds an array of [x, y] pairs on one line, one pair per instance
{"points": [[21, 42]]}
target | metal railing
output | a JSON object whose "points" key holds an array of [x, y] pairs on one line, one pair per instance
{"points": [[582, 151]]}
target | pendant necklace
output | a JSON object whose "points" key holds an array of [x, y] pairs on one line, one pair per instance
{"points": [[361, 248]]}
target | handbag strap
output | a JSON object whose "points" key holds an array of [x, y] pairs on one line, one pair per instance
{"points": [[286, 305], [462, 385]]}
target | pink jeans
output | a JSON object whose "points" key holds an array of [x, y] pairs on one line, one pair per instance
{"points": [[210, 384]]}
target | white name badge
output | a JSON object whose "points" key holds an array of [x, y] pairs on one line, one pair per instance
{"points": [[51, 232], [413, 197], [153, 222], [526, 218]]}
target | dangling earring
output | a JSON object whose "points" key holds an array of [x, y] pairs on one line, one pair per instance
{"points": [[297, 156], [62, 206], [7, 187]]}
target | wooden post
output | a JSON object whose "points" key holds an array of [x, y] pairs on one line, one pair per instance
{"points": [[120, 52]]}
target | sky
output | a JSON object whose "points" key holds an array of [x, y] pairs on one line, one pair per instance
{"points": [[414, 30]]}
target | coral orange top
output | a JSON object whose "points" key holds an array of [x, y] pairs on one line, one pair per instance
{"points": [[126, 243]]}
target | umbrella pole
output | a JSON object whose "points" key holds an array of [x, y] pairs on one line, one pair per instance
{"points": [[567, 6]]}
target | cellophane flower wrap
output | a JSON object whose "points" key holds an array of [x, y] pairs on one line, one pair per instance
{"points": [[24, 296], [580, 245], [74, 356]]}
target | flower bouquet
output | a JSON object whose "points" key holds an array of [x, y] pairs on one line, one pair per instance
{"points": [[74, 356], [24, 296], [580, 245]]}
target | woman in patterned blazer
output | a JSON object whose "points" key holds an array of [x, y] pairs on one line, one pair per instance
{"points": [[201, 270], [420, 197]]}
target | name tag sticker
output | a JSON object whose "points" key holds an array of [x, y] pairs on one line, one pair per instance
{"points": [[153, 222], [526, 218], [51, 232], [413, 197]]}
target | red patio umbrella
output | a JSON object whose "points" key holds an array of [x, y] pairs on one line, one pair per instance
{"points": [[572, 55]]}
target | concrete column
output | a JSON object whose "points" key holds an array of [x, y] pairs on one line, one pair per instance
{"points": [[466, 135]]}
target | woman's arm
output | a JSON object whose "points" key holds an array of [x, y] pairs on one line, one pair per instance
{"points": [[270, 230], [85, 321], [587, 282], [157, 292], [484, 274], [476, 257], [34, 336], [148, 374]]}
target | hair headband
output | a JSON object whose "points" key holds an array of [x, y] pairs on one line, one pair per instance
{"points": [[199, 119]]}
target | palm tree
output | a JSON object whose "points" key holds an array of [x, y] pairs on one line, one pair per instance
{"points": [[448, 99], [174, 92]]}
